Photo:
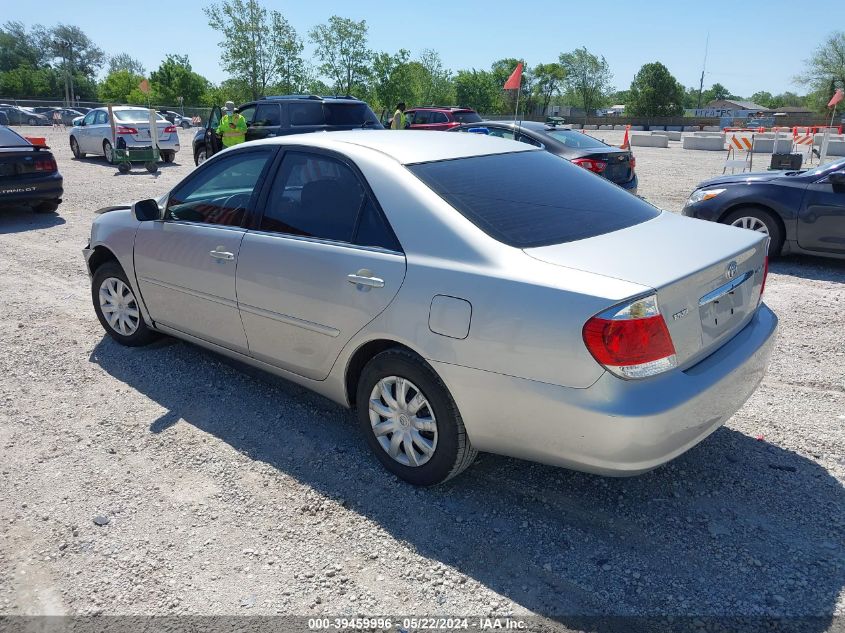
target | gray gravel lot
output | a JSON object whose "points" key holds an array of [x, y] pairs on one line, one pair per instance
{"points": [[225, 491]]}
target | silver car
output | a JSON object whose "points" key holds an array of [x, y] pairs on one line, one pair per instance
{"points": [[92, 133], [463, 293]]}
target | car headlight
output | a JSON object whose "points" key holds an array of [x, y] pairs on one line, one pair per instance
{"points": [[700, 195]]}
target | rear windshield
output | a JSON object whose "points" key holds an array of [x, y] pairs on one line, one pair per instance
{"points": [[466, 117], [578, 140], [534, 198], [138, 116], [8, 138]]}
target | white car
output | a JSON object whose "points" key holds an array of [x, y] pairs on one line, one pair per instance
{"points": [[92, 134]]}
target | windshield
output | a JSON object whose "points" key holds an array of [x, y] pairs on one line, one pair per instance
{"points": [[9, 138], [824, 169], [466, 117], [533, 198], [576, 140], [135, 116]]}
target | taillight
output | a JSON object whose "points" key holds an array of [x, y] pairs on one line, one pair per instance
{"points": [[633, 163], [123, 129], [46, 164], [765, 275], [170, 129], [596, 166], [632, 340]]}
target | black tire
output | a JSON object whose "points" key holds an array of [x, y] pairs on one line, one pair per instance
{"points": [[151, 167], [142, 335], [108, 152], [74, 147], [773, 227], [123, 168], [453, 452], [200, 156], [49, 206], [185, 125], [168, 156]]}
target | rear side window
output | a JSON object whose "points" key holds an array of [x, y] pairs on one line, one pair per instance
{"points": [[306, 113], [439, 117], [577, 140], [534, 198], [9, 138], [466, 117], [348, 114]]}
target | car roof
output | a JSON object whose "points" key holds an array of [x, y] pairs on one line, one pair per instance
{"points": [[407, 147], [443, 108]]}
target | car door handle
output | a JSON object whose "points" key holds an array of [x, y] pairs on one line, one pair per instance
{"points": [[222, 255], [365, 280]]}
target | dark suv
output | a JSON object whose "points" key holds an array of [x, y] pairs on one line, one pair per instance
{"points": [[440, 117], [289, 114]]}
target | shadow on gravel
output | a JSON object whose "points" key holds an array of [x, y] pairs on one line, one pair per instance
{"points": [[808, 267], [735, 527], [137, 167], [23, 219]]}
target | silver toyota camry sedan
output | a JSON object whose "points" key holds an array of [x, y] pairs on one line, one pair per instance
{"points": [[462, 293]]}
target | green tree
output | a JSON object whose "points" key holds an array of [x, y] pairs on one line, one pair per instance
{"points": [[76, 49], [477, 89], [258, 46], [341, 47], [125, 61], [763, 98], [392, 79], [500, 70], [435, 81], [717, 92], [825, 70], [118, 85], [175, 78], [20, 48], [655, 93], [587, 76], [549, 78]]}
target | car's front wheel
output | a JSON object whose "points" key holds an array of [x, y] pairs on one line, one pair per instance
{"points": [[117, 308], [760, 220], [74, 147], [410, 420], [201, 156]]}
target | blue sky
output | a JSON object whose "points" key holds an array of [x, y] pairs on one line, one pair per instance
{"points": [[763, 51]]}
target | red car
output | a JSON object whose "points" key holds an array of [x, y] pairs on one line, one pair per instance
{"points": [[440, 117]]}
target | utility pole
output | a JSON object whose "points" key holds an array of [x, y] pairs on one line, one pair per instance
{"points": [[61, 46], [703, 67]]}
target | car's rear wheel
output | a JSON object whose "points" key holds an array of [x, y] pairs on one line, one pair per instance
{"points": [[117, 308], [201, 156], [760, 220], [410, 420], [46, 207], [74, 147], [168, 156], [31, 121], [108, 151]]}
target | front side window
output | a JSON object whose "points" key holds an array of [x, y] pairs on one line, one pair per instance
{"points": [[101, 119], [248, 113], [321, 197], [422, 117], [220, 193], [533, 198], [268, 114]]}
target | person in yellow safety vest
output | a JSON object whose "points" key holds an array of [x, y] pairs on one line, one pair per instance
{"points": [[398, 122], [232, 126]]}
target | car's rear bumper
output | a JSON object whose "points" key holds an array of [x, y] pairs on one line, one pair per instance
{"points": [[615, 427], [28, 191], [171, 144]]}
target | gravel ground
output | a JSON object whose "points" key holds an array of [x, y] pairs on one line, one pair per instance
{"points": [[168, 480]]}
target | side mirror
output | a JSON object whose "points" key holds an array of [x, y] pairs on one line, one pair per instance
{"points": [[146, 210], [837, 179]]}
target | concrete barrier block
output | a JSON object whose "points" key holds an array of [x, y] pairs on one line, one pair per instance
{"points": [[656, 127], [649, 140], [605, 127], [619, 127], [833, 138], [672, 134], [836, 148], [691, 128], [720, 135], [638, 128], [707, 143], [711, 128], [674, 128], [590, 126], [767, 145]]}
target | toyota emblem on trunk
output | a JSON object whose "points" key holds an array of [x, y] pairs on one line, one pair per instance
{"points": [[730, 271]]}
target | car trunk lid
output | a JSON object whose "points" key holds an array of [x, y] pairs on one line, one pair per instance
{"points": [[619, 166], [707, 276], [25, 159]]}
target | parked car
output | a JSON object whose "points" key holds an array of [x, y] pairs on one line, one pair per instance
{"points": [[92, 134], [801, 211], [463, 293], [438, 118], [67, 115], [45, 110], [29, 176], [615, 164], [4, 119], [288, 114], [22, 116]]}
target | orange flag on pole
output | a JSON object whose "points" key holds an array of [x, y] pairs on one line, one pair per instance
{"points": [[515, 80], [837, 97]]}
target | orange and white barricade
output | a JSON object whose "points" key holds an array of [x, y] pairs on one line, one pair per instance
{"points": [[740, 143]]}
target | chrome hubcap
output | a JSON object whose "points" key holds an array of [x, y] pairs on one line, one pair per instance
{"points": [[118, 305], [403, 421], [107, 150], [752, 224], [201, 157]]}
